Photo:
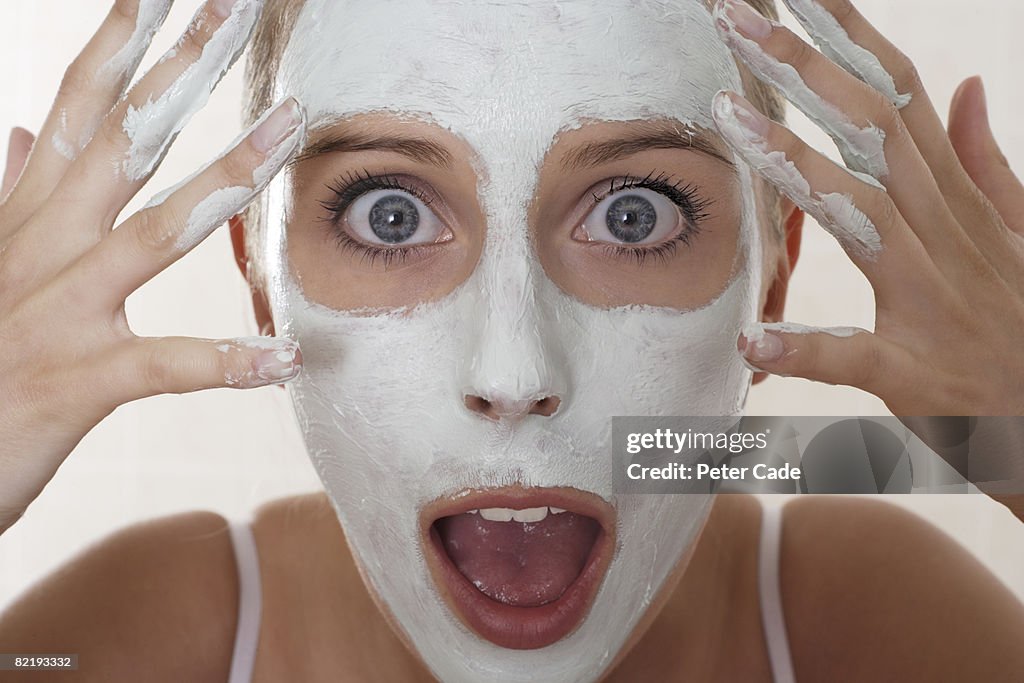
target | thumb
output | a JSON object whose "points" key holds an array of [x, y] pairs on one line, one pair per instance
{"points": [[849, 356], [976, 146], [18, 148]]}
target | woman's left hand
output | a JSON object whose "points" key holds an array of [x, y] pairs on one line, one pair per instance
{"points": [[934, 219]]}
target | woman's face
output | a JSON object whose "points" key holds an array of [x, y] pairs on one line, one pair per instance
{"points": [[512, 222]]}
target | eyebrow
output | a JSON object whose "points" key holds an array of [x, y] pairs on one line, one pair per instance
{"points": [[417, 149], [658, 136]]}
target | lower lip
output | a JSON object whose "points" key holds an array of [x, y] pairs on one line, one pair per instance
{"points": [[522, 628]]}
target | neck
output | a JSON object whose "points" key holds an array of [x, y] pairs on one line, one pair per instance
{"points": [[709, 621]]}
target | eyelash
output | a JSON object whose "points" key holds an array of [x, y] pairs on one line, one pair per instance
{"points": [[347, 189], [693, 207]]}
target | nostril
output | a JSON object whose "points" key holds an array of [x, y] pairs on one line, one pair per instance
{"points": [[547, 406], [503, 409], [481, 405]]}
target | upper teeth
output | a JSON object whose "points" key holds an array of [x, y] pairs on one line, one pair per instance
{"points": [[508, 514]]}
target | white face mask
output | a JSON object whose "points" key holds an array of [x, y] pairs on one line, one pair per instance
{"points": [[381, 397]]}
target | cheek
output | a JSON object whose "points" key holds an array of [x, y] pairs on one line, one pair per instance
{"points": [[344, 279]]}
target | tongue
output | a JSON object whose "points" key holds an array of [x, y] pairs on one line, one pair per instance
{"points": [[516, 563]]}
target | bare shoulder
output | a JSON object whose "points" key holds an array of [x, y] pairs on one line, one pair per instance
{"points": [[879, 593], [296, 512], [155, 601]]}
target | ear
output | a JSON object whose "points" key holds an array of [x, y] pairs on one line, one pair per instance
{"points": [[775, 302], [259, 300]]}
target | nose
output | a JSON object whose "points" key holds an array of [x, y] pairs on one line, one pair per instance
{"points": [[514, 344], [513, 368], [502, 408]]}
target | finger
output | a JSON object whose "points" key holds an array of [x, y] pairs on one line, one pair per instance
{"points": [[848, 356], [976, 146], [178, 365], [868, 129], [831, 37], [142, 128], [134, 137], [845, 34], [859, 215], [18, 148], [160, 234], [90, 88]]}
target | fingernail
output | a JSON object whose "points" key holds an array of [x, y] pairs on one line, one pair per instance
{"points": [[763, 347], [222, 8], [278, 126], [732, 107], [747, 21], [280, 364], [276, 361]]}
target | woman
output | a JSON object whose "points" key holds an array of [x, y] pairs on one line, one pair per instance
{"points": [[486, 246]]}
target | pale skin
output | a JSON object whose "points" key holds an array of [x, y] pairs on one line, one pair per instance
{"points": [[952, 210]]}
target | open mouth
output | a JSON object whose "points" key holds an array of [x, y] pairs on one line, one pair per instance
{"points": [[519, 566]]}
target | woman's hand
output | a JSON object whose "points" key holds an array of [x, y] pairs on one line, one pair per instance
{"points": [[934, 219], [69, 357]]}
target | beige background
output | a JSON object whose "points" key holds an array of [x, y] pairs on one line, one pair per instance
{"points": [[227, 450]]}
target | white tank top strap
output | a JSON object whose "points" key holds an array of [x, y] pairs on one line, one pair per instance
{"points": [[250, 600], [772, 616]]}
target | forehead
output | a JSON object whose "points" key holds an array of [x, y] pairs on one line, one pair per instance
{"points": [[507, 68]]}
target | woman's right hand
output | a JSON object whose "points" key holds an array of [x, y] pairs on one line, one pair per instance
{"points": [[69, 357]]}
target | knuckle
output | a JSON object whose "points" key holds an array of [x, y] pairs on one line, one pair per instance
{"points": [[154, 231], [158, 370], [905, 74], [190, 47], [237, 167], [796, 151], [126, 10], [842, 10], [888, 118], [796, 52], [195, 39], [110, 134], [78, 80], [881, 208], [868, 368]]}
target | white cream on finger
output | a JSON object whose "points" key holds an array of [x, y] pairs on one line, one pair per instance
{"points": [[755, 332], [152, 127], [836, 212], [150, 17], [223, 203], [829, 35], [60, 140], [863, 149]]}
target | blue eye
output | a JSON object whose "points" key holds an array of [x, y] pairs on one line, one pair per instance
{"points": [[636, 216], [631, 218], [392, 217]]}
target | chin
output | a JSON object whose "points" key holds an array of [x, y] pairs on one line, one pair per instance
{"points": [[449, 575]]}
